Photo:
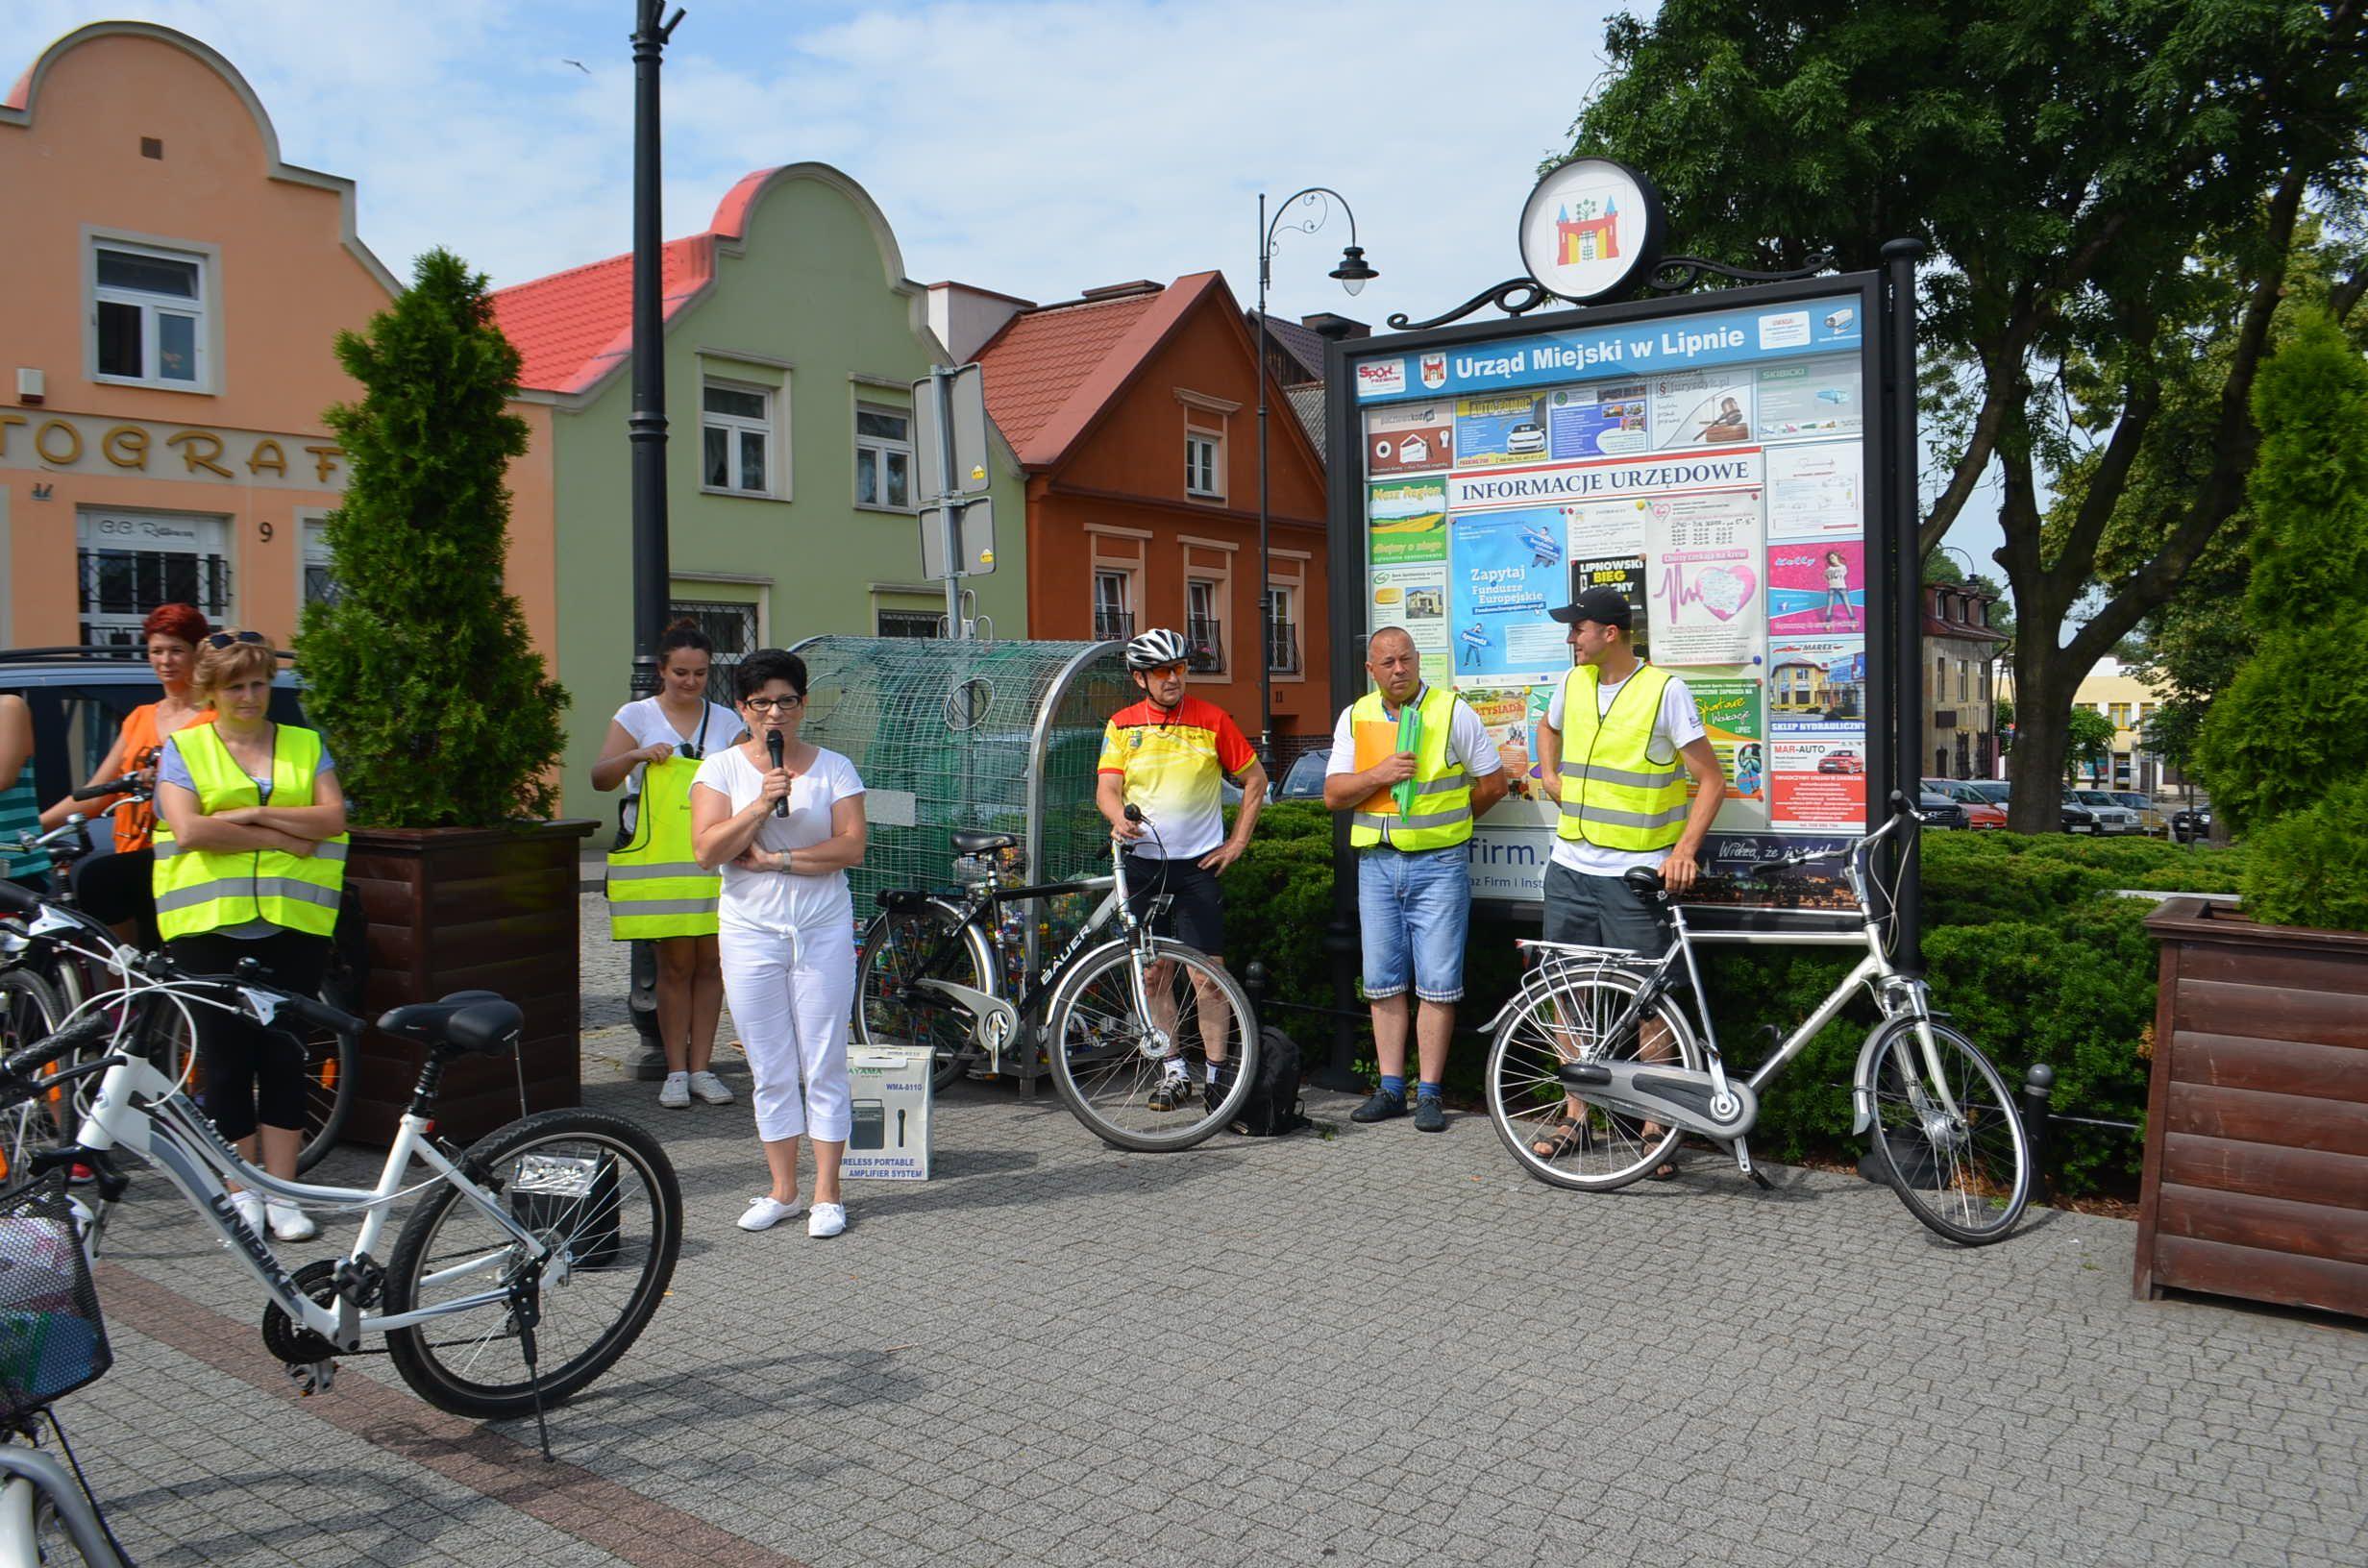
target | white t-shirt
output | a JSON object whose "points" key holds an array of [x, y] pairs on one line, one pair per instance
{"points": [[1677, 725], [779, 900], [1467, 741], [647, 723]]}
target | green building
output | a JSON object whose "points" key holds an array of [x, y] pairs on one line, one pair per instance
{"points": [[792, 340]]}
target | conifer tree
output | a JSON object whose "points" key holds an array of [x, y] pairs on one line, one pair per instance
{"points": [[437, 707]]}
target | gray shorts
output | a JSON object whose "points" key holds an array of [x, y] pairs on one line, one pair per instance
{"points": [[1600, 912]]}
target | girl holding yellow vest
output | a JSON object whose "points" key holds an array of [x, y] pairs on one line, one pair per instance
{"points": [[658, 893], [250, 863]]}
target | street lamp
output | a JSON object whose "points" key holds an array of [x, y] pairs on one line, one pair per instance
{"points": [[1353, 274]]}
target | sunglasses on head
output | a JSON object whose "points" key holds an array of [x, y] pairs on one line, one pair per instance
{"points": [[226, 639]]}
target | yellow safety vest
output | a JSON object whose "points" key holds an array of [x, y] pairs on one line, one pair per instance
{"points": [[655, 886], [1614, 794], [1441, 814], [205, 890]]}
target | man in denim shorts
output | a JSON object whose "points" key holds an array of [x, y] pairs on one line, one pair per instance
{"points": [[1415, 767]]}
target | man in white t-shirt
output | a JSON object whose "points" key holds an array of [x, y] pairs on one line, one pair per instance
{"points": [[1641, 819]]}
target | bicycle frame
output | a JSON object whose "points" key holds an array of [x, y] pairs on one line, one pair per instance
{"points": [[26, 1473], [138, 1108]]}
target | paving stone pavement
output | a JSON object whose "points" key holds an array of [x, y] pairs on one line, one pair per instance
{"points": [[1368, 1347]]}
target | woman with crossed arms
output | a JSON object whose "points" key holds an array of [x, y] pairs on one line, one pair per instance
{"points": [[787, 928]]}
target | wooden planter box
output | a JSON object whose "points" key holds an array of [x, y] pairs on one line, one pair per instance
{"points": [[2256, 1115], [456, 909]]}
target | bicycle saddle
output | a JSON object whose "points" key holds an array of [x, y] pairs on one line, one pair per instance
{"points": [[482, 1022], [1644, 879], [969, 841]]}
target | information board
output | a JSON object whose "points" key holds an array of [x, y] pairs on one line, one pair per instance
{"points": [[1711, 458]]}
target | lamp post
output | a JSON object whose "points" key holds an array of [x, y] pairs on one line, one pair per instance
{"points": [[1353, 274], [646, 431]]}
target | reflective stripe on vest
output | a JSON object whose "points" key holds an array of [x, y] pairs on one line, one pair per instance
{"points": [[1615, 795], [1441, 816], [205, 890], [655, 886]]}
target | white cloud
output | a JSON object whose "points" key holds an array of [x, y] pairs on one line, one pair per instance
{"points": [[1033, 148]]}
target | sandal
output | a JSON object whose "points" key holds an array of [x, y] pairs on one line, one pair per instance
{"points": [[1561, 1136], [1666, 1170]]}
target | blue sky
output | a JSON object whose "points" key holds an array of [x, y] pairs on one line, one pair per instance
{"points": [[1036, 147]]}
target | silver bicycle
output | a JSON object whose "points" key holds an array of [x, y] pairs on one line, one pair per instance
{"points": [[1594, 1071]]}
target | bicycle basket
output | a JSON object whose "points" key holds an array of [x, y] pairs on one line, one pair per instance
{"points": [[52, 1339]]}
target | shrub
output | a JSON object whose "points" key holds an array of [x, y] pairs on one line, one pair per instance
{"points": [[436, 704], [2310, 868]]}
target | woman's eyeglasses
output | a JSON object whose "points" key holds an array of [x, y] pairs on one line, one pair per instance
{"points": [[773, 705], [226, 639]]}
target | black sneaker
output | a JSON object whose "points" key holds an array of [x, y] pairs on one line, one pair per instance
{"points": [[1382, 1107], [1430, 1115], [1172, 1090], [1214, 1092]]}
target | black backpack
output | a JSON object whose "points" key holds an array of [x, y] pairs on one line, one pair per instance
{"points": [[1271, 1107]]}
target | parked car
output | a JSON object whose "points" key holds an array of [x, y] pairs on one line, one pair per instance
{"points": [[1937, 810], [1304, 779], [1981, 811], [2114, 819], [1841, 762], [2150, 817], [2191, 822], [2076, 818]]}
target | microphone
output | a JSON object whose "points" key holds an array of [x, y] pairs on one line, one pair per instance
{"points": [[772, 745]]}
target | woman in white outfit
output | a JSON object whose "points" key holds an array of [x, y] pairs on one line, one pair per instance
{"points": [[787, 928]]}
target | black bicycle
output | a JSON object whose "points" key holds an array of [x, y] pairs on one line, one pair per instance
{"points": [[1150, 1043]]}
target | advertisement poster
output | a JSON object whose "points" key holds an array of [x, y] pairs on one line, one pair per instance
{"points": [[1608, 527], [1702, 409], [1626, 574], [1504, 429], [1816, 679], [1409, 438], [1816, 397], [1820, 781], [1408, 520], [1812, 492], [1511, 714], [1817, 587], [1703, 577], [1731, 711], [1602, 420], [1412, 597], [1507, 573]]}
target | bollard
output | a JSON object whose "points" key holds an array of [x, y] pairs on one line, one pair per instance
{"points": [[1339, 940], [645, 1061], [2038, 1088], [1254, 981]]}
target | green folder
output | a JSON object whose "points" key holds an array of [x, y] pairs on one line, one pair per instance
{"points": [[1409, 739]]}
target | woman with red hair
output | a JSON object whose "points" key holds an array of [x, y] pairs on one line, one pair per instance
{"points": [[116, 888]]}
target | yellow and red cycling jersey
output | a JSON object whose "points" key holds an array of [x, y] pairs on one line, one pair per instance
{"points": [[1171, 761]]}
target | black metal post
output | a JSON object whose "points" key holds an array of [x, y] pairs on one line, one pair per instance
{"points": [[2039, 1089], [1345, 593], [1903, 585], [646, 426]]}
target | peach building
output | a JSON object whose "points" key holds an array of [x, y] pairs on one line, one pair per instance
{"points": [[169, 294]]}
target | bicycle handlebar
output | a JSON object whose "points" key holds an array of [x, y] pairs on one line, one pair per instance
{"points": [[128, 784]]}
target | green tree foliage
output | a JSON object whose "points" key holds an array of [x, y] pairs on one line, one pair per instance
{"points": [[436, 704], [2294, 721], [2311, 867], [2066, 165], [2088, 740]]}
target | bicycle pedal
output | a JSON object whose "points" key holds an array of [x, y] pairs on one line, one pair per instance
{"points": [[312, 1377]]}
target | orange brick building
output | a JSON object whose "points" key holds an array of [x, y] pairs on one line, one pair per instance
{"points": [[1133, 411]]}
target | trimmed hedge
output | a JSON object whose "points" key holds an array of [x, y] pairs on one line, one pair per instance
{"points": [[2029, 950]]}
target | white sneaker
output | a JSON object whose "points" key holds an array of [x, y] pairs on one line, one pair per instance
{"points": [[710, 1089], [250, 1206], [827, 1219], [677, 1092], [764, 1213], [290, 1223]]}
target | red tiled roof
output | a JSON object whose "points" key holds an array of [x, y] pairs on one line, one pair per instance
{"points": [[1034, 367], [573, 328]]}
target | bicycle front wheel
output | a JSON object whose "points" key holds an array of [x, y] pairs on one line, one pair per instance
{"points": [[1952, 1145], [29, 1013], [601, 1192], [1554, 1134], [327, 1060], [901, 948], [1146, 1083]]}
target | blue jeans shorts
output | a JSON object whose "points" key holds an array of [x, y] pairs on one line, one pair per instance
{"points": [[1414, 911]]}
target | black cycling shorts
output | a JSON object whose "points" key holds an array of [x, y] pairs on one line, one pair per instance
{"points": [[1196, 912]]}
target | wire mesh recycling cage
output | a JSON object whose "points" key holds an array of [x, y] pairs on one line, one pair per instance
{"points": [[950, 733]]}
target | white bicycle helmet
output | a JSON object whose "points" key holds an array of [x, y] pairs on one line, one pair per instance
{"points": [[1156, 649]]}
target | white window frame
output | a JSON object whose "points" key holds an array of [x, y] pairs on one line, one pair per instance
{"points": [[1280, 601], [1125, 606], [311, 550], [881, 447], [203, 311], [1212, 487], [737, 425]]}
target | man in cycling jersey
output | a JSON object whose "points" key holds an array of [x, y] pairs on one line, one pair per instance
{"points": [[1166, 755]]}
